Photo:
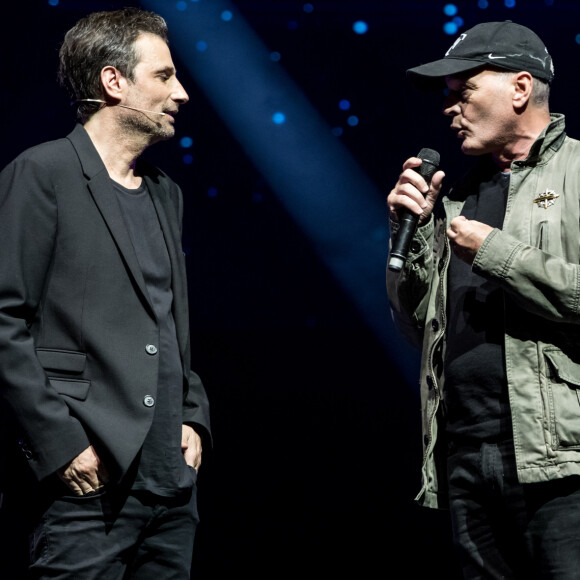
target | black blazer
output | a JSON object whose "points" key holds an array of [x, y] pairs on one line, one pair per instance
{"points": [[78, 335]]}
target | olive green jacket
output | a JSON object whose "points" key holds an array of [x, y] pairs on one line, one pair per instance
{"points": [[535, 258]]}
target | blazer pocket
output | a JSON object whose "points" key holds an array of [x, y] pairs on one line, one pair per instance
{"points": [[62, 361], [75, 389]]}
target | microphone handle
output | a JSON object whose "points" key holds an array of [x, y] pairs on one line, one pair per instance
{"points": [[407, 228], [408, 220]]}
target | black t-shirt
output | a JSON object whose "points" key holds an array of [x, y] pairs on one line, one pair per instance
{"points": [[161, 467], [475, 379]]}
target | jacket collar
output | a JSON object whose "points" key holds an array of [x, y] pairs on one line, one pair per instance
{"points": [[103, 193], [547, 143], [90, 160]]}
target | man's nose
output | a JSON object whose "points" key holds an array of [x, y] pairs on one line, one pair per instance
{"points": [[450, 106], [179, 95]]}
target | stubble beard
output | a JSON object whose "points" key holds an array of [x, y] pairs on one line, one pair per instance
{"points": [[142, 125]]}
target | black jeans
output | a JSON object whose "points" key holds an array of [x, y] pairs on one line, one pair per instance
{"points": [[114, 535], [503, 529]]}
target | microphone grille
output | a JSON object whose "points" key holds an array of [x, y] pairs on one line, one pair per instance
{"points": [[429, 156]]}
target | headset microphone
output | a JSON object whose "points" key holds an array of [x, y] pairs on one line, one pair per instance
{"points": [[141, 110], [124, 106]]}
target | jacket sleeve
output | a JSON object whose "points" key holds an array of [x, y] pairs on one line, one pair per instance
{"points": [[196, 408], [48, 435], [544, 284], [409, 289]]}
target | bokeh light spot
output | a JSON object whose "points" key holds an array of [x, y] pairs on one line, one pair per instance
{"points": [[360, 27], [450, 28], [278, 118]]}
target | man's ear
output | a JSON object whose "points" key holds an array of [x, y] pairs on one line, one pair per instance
{"points": [[523, 83], [114, 84]]}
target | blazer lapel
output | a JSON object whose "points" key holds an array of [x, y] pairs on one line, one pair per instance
{"points": [[101, 188], [169, 221]]}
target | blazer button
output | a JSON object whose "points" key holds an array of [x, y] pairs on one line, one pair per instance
{"points": [[151, 349], [148, 401]]}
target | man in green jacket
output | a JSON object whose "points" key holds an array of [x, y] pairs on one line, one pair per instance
{"points": [[490, 289]]}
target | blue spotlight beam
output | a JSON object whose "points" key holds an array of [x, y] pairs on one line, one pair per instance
{"points": [[335, 203]]}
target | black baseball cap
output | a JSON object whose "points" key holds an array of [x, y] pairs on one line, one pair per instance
{"points": [[505, 45]]}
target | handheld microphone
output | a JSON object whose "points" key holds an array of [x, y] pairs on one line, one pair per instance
{"points": [[124, 106], [408, 220]]}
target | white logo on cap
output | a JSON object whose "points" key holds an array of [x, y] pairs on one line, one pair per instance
{"points": [[542, 60], [457, 41], [493, 57]]}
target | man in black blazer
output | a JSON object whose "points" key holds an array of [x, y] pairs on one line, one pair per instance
{"points": [[96, 390]]}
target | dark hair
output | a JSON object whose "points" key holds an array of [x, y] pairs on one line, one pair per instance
{"points": [[103, 39]]}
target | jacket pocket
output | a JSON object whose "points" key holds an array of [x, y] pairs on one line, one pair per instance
{"points": [[563, 381], [75, 389], [543, 237], [62, 361]]}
